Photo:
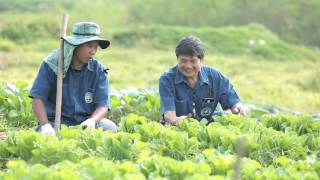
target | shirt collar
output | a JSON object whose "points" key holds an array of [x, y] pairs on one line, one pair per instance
{"points": [[179, 76], [90, 65], [203, 77]]}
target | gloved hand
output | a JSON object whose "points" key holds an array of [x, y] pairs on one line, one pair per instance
{"points": [[182, 117], [88, 123], [47, 129]]}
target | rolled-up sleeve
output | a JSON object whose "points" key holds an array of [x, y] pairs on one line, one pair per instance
{"points": [[102, 98], [228, 96], [167, 99], [41, 85]]}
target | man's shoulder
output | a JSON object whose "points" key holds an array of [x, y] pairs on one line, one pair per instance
{"points": [[210, 71], [96, 65], [168, 76], [45, 67], [170, 73], [214, 74]]}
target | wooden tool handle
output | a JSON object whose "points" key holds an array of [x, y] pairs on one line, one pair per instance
{"points": [[60, 74]]}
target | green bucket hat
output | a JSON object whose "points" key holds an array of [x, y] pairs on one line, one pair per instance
{"points": [[85, 32]]}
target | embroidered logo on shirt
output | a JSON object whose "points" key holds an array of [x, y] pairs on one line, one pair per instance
{"points": [[88, 97], [206, 111]]}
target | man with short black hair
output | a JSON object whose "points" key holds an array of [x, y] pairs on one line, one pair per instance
{"points": [[192, 89]]}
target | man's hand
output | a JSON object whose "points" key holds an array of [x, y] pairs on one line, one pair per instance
{"points": [[239, 109], [170, 117], [47, 129], [88, 123], [177, 120]]}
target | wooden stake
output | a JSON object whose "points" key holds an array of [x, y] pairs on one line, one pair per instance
{"points": [[60, 74], [239, 150]]}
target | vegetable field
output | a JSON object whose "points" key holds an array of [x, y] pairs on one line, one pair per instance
{"points": [[277, 146], [268, 49]]}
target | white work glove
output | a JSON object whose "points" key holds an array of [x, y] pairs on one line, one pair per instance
{"points": [[47, 129], [88, 123]]}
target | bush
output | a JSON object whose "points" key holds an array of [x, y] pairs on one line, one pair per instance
{"points": [[253, 40], [26, 32], [27, 5], [15, 106], [6, 45]]}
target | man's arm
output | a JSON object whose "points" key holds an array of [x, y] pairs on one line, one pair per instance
{"points": [[229, 97], [99, 114], [95, 118], [40, 111], [41, 114]]}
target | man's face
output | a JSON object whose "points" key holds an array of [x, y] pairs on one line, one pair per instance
{"points": [[189, 65], [86, 51]]}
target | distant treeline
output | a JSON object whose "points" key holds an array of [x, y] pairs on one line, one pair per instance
{"points": [[250, 40], [295, 21]]}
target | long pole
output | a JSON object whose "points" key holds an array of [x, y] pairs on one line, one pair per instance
{"points": [[60, 74]]}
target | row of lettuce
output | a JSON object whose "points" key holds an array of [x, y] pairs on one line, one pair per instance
{"points": [[145, 149], [277, 146], [16, 110]]}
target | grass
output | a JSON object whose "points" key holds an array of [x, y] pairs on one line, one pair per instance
{"points": [[251, 40], [292, 84], [264, 69]]}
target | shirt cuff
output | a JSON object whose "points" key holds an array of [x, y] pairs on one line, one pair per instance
{"points": [[230, 104], [167, 104]]}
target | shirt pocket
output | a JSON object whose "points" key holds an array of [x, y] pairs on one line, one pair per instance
{"points": [[89, 100], [207, 109], [182, 107]]}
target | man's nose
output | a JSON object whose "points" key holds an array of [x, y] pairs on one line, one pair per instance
{"points": [[188, 65], [93, 51]]}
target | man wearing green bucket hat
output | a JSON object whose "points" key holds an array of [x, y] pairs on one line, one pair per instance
{"points": [[85, 98]]}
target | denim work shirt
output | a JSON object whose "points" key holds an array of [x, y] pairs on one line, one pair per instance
{"points": [[201, 101], [83, 91]]}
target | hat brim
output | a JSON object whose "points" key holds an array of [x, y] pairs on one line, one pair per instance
{"points": [[78, 40]]}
